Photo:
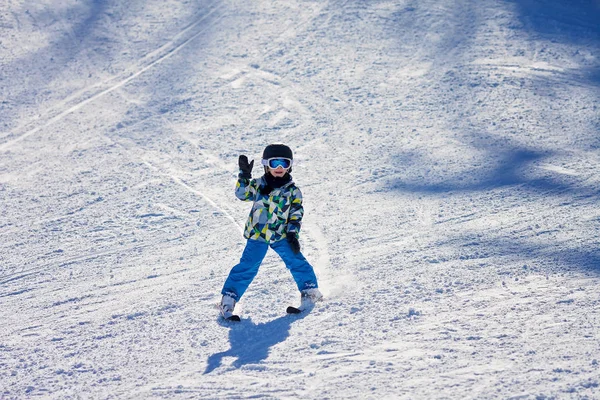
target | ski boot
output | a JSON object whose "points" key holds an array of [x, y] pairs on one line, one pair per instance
{"points": [[226, 308], [308, 298]]}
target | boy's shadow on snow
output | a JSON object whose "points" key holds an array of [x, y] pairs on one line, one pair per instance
{"points": [[250, 343]]}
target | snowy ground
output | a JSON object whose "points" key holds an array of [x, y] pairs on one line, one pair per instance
{"points": [[448, 153]]}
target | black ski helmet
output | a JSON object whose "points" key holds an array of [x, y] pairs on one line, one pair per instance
{"points": [[278, 150]]}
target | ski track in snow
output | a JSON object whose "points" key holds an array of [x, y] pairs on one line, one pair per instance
{"points": [[83, 98], [446, 151], [201, 194]]}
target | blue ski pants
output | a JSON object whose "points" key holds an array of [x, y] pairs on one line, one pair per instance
{"points": [[243, 273]]}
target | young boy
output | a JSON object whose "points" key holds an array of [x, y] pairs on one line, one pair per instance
{"points": [[274, 221]]}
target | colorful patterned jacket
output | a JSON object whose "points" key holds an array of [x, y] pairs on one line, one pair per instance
{"points": [[273, 216]]}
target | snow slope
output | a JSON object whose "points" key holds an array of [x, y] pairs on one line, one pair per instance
{"points": [[448, 153]]}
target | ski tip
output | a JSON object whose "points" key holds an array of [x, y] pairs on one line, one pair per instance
{"points": [[235, 318], [293, 310]]}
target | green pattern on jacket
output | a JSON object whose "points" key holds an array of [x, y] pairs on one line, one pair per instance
{"points": [[272, 216]]}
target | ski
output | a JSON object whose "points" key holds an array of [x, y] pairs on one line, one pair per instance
{"points": [[293, 310], [289, 310], [234, 318]]}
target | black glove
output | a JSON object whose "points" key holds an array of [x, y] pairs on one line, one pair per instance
{"points": [[245, 167], [293, 241]]}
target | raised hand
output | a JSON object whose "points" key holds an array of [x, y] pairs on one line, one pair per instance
{"points": [[245, 167]]}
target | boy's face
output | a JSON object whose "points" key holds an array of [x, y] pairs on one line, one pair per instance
{"points": [[278, 172]]}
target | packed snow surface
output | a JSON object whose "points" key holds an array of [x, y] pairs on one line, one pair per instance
{"points": [[448, 152]]}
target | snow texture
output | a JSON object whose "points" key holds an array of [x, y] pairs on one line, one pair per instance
{"points": [[448, 154]]}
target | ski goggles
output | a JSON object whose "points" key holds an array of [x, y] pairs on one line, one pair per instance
{"points": [[277, 162]]}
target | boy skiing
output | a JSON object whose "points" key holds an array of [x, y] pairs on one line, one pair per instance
{"points": [[274, 221]]}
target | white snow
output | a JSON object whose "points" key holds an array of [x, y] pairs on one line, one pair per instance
{"points": [[447, 151]]}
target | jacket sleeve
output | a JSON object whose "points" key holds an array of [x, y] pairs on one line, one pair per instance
{"points": [[246, 189], [296, 212]]}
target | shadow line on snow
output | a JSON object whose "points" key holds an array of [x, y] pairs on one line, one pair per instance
{"points": [[578, 258], [504, 167], [570, 22], [542, 255], [250, 343], [519, 171]]}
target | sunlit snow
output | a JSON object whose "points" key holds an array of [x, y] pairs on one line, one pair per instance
{"points": [[447, 151]]}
